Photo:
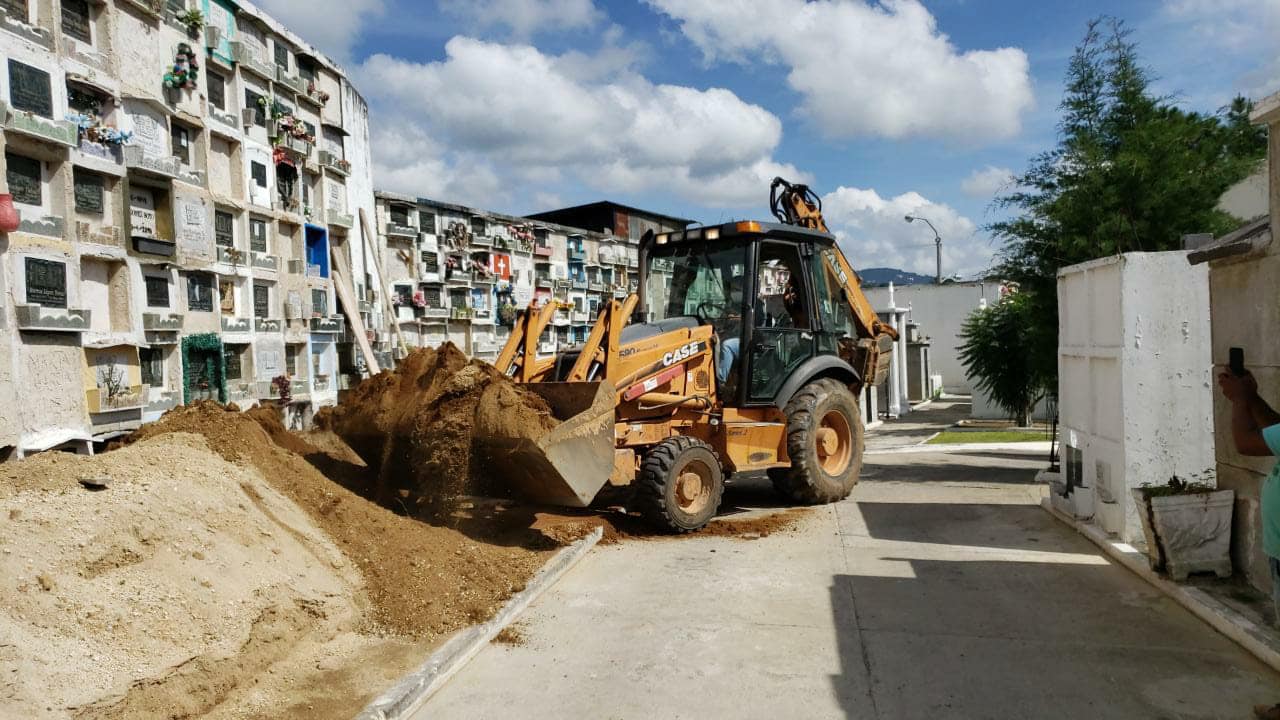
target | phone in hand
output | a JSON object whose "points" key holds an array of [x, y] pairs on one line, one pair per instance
{"points": [[1235, 361]]}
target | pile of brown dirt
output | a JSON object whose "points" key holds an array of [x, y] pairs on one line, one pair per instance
{"points": [[415, 427], [168, 593], [423, 580]]}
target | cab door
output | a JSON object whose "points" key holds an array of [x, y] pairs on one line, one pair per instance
{"points": [[782, 335]]}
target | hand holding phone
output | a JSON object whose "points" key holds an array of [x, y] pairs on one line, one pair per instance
{"points": [[1235, 361]]}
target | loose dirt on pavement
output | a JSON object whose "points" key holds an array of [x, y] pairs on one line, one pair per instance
{"points": [[219, 565]]}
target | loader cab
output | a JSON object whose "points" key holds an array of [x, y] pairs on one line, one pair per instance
{"points": [[763, 288]]}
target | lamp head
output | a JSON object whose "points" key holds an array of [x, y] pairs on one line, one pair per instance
{"points": [[908, 218]]}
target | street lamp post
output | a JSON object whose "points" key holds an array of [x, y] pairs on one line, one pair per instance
{"points": [[937, 242]]}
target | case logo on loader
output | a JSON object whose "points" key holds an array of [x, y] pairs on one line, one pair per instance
{"points": [[683, 353]]}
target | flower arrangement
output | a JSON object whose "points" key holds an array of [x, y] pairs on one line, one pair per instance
{"points": [[93, 130], [283, 388], [522, 235], [419, 299], [294, 127], [274, 110], [481, 269], [321, 95], [185, 71], [286, 122], [507, 312]]}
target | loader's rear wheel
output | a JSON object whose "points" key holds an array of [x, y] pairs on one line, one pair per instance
{"points": [[824, 440], [679, 485]]}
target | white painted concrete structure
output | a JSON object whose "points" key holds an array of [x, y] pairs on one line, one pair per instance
{"points": [[893, 401], [1135, 380], [940, 310]]}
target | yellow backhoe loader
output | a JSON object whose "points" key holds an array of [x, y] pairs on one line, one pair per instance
{"points": [[745, 349]]}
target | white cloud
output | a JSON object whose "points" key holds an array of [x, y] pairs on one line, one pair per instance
{"points": [[867, 69], [333, 26], [526, 17], [986, 182], [1245, 30], [873, 232], [406, 160], [517, 113]]}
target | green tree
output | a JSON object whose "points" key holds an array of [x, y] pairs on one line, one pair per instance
{"points": [[995, 350], [1131, 171]]}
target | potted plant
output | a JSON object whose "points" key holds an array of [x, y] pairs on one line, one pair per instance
{"points": [[193, 19], [1187, 525]]}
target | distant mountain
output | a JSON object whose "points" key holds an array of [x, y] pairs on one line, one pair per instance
{"points": [[884, 276]]}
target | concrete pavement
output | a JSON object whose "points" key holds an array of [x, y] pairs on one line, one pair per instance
{"points": [[939, 589]]}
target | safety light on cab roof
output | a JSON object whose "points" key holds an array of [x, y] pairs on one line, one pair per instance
{"points": [[747, 226]]}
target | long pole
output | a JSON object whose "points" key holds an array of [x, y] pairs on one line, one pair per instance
{"points": [[938, 242]]}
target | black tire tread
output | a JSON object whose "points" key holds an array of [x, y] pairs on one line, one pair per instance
{"points": [[656, 470], [802, 483]]}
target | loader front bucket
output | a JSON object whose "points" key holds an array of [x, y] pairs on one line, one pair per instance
{"points": [[565, 466]]}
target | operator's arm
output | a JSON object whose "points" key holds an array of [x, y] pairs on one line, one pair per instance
{"points": [[1246, 431]]}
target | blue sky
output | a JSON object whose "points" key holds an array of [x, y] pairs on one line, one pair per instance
{"points": [[689, 107]]}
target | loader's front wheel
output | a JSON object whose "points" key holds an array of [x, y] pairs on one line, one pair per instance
{"points": [[679, 485], [824, 440]]}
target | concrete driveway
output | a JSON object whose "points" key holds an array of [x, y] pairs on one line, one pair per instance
{"points": [[938, 590]]}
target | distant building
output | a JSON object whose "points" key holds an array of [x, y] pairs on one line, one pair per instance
{"points": [[939, 311], [178, 188], [459, 274], [612, 218]]}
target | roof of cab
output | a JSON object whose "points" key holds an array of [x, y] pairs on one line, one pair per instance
{"points": [[725, 231]]}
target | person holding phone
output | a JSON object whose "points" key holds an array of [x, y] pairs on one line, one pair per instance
{"points": [[1255, 431]]}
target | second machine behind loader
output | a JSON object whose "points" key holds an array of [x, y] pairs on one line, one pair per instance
{"points": [[747, 348]]}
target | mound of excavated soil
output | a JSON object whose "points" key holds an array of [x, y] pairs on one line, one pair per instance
{"points": [[423, 580], [415, 427], [187, 577]]}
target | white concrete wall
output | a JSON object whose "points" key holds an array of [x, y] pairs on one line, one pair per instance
{"points": [[1247, 199], [940, 310], [984, 408], [1134, 376]]}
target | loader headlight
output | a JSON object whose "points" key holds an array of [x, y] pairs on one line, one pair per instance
{"points": [[711, 234], [662, 239]]}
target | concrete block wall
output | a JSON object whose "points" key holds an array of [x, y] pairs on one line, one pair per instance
{"points": [[1245, 314]]}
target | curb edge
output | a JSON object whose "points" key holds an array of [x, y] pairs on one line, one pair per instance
{"points": [[411, 691], [1258, 641]]}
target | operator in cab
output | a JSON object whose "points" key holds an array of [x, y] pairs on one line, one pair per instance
{"points": [[793, 316]]}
